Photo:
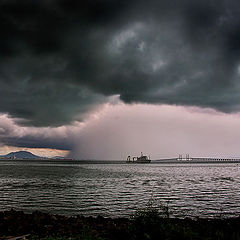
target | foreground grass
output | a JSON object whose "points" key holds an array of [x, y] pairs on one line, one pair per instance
{"points": [[149, 223]]}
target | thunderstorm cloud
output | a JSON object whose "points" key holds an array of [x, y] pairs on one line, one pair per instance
{"points": [[11, 134], [60, 59]]}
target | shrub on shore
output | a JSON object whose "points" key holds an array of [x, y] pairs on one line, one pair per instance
{"points": [[153, 223]]}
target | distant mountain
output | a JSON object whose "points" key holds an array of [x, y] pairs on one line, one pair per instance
{"points": [[21, 155]]}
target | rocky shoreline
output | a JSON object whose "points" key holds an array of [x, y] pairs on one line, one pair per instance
{"points": [[146, 225], [42, 225]]}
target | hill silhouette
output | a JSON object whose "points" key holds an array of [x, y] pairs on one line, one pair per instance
{"points": [[21, 155]]}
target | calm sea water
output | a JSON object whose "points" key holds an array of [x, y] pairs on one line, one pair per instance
{"points": [[204, 190]]}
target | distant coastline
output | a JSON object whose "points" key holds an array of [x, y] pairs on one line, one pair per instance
{"points": [[28, 156], [81, 161]]}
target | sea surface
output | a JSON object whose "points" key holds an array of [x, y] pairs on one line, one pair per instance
{"points": [[113, 190]]}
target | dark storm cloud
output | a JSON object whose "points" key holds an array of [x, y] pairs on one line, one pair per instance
{"points": [[35, 141], [61, 58], [11, 134]]}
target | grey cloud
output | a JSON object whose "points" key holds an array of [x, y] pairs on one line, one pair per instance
{"points": [[12, 134], [167, 131], [61, 58], [36, 141]]}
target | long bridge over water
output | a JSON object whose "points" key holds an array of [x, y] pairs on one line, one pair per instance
{"points": [[188, 159]]}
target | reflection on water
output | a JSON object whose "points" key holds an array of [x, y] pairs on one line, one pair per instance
{"points": [[204, 190]]}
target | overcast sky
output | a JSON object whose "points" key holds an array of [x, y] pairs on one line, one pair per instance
{"points": [[104, 79]]}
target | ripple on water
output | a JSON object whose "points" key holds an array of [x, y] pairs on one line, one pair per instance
{"points": [[119, 189]]}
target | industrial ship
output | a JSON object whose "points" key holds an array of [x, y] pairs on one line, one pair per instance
{"points": [[141, 159]]}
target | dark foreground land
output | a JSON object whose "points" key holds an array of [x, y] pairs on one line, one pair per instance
{"points": [[143, 225]]}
